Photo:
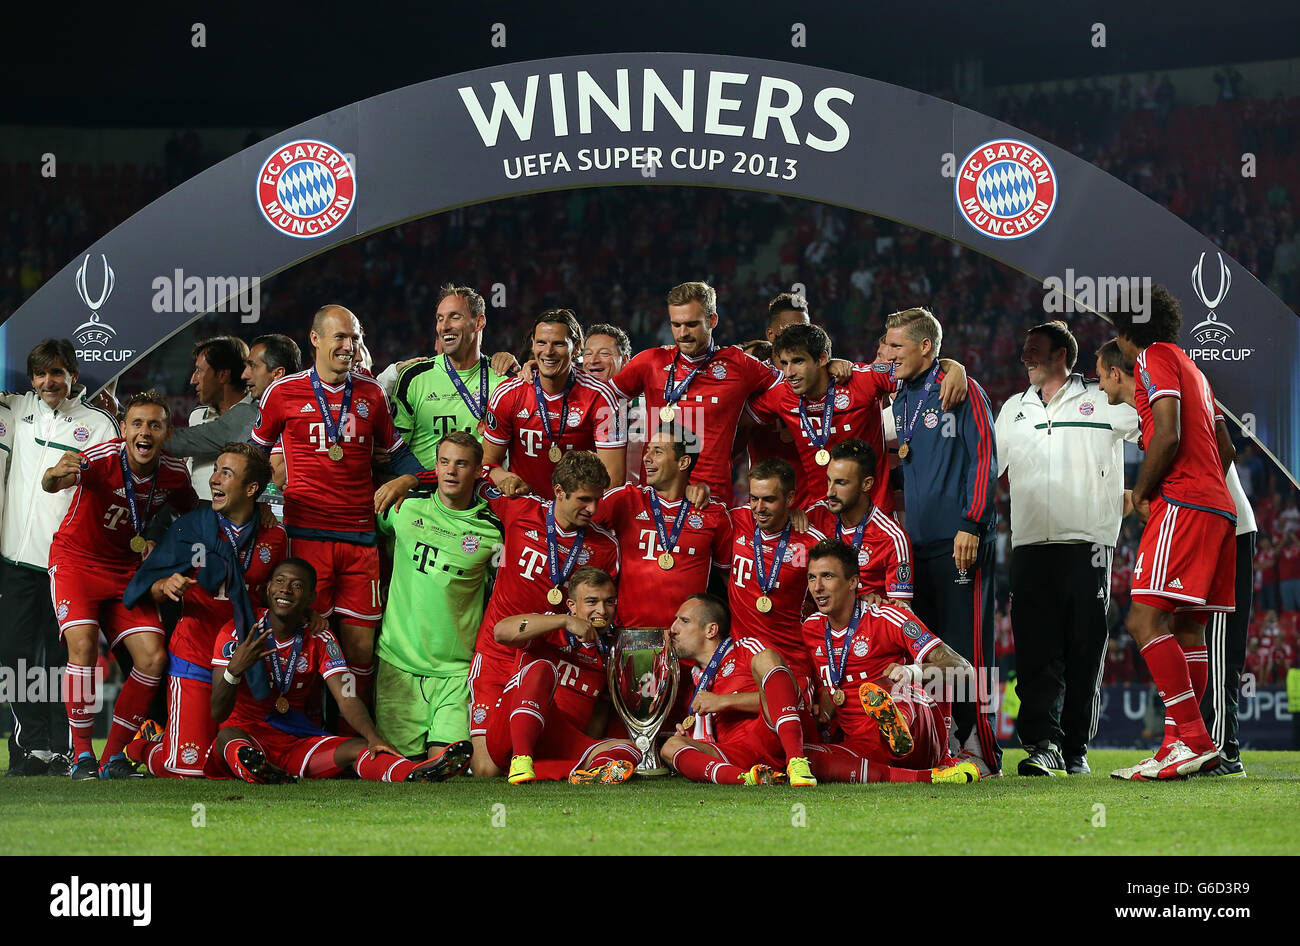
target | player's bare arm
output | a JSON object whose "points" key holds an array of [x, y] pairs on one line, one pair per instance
{"points": [[172, 587], [355, 712], [709, 702], [63, 474], [494, 454], [615, 462], [1166, 432], [941, 657], [251, 649], [518, 629], [279, 475]]}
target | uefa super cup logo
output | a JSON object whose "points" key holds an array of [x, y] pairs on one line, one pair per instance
{"points": [[1212, 330], [94, 331]]}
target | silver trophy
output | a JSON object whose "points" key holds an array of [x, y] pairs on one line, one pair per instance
{"points": [[642, 667]]}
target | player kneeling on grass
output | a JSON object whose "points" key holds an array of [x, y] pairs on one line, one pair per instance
{"points": [[869, 665], [541, 726], [268, 738], [745, 722]]}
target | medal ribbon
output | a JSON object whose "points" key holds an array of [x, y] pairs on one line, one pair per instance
{"points": [[475, 407], [666, 541], [602, 645], [244, 558], [128, 485], [828, 409], [706, 676], [545, 415], [837, 673], [559, 575], [929, 384], [282, 676], [331, 425], [674, 392], [857, 533], [766, 581]]}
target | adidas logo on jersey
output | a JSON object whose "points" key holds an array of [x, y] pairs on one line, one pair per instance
{"points": [[1176, 584], [1020, 416], [532, 534], [29, 419], [643, 515], [523, 414], [418, 524], [307, 409]]}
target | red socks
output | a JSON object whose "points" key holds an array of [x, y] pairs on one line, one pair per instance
{"points": [[129, 710], [781, 705], [1169, 670], [80, 697], [838, 764], [1198, 669], [384, 767], [701, 767], [532, 698]]}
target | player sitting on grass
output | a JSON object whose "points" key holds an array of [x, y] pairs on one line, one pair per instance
{"points": [[745, 715], [540, 726], [267, 739], [887, 718]]}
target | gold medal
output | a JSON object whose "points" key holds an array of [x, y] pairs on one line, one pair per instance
{"points": [[599, 622], [666, 413], [764, 604], [282, 704], [837, 696], [555, 453], [555, 596], [336, 452], [823, 457], [904, 450], [137, 544], [688, 722], [666, 561]]}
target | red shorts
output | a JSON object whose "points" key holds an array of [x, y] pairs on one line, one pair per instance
{"points": [[190, 727], [560, 740], [347, 579], [752, 743], [85, 595], [303, 756], [487, 681], [1187, 560], [927, 722]]}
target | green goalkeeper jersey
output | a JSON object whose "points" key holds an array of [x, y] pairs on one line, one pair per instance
{"points": [[441, 562], [427, 404]]}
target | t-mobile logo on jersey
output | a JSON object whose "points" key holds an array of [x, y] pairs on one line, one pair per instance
{"points": [[742, 568], [531, 441], [75, 899], [531, 562]]}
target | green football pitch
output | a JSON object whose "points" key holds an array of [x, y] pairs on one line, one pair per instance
{"points": [[1091, 814]]}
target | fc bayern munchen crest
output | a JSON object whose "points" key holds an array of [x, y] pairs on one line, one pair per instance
{"points": [[1006, 189], [728, 668], [469, 543], [81, 434], [302, 664], [3, 429], [841, 400], [264, 553], [931, 419], [306, 189], [860, 647], [363, 409], [695, 521], [718, 370], [189, 753], [1086, 408], [479, 715], [575, 418]]}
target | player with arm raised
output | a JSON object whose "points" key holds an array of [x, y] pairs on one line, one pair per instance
{"points": [[1187, 558], [664, 540], [541, 728], [746, 721], [330, 420], [445, 541], [269, 739], [532, 422], [848, 513], [870, 661], [773, 439], [120, 486], [546, 541], [214, 561]]}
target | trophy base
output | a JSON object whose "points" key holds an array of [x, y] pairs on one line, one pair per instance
{"points": [[657, 772]]}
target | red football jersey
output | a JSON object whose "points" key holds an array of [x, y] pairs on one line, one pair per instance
{"points": [[734, 676], [778, 628], [206, 614], [710, 408], [320, 656], [884, 635], [1195, 476], [652, 593], [581, 673], [97, 530], [884, 555], [523, 578], [596, 421], [336, 496], [856, 414]]}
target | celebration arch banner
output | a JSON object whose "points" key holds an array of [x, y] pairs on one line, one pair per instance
{"points": [[679, 119]]}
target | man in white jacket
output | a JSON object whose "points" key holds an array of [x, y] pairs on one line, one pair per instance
{"points": [[53, 417]]}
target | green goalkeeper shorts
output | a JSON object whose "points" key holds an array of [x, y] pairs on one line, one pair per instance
{"points": [[412, 711]]}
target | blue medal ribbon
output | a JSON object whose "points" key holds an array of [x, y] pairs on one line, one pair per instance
{"points": [[666, 541], [244, 558], [331, 425], [709, 672], [674, 392], [545, 415], [602, 645], [475, 407], [138, 522], [765, 580], [559, 575], [828, 409], [280, 675], [857, 533], [837, 673], [929, 385]]}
